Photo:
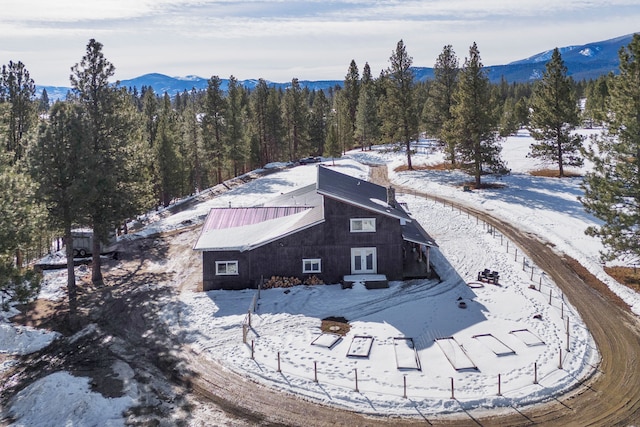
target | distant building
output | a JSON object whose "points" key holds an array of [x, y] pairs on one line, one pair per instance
{"points": [[340, 226]]}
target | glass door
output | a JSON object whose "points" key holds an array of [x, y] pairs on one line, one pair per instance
{"points": [[363, 261]]}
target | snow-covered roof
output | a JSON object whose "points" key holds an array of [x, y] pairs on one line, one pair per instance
{"points": [[261, 226], [357, 192], [245, 228]]}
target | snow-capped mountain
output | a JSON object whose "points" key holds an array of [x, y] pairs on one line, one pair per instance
{"points": [[587, 61]]}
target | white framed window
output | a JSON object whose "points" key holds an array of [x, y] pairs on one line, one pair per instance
{"points": [[311, 265], [226, 268], [363, 225]]}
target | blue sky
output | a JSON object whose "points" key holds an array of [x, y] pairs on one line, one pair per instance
{"points": [[280, 40]]}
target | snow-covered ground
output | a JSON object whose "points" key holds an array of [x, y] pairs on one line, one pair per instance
{"points": [[511, 331]]}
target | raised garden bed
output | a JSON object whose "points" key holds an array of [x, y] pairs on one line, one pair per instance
{"points": [[406, 354], [360, 346]]}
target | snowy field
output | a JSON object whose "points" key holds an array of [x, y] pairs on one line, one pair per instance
{"points": [[515, 331]]}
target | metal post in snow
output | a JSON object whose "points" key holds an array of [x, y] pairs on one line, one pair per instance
{"points": [[523, 264], [356, 372], [561, 310], [252, 350], [452, 394], [540, 284], [516, 257], [535, 372], [532, 272], [568, 334], [315, 372], [279, 370], [560, 359], [507, 246], [405, 387], [549, 296], [499, 381], [249, 317]]}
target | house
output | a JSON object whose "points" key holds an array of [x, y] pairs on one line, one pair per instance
{"points": [[340, 226]]}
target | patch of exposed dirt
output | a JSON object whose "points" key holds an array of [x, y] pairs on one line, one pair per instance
{"points": [[335, 325], [629, 276], [555, 173], [435, 167]]}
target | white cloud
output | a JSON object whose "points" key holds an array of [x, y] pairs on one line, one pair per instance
{"points": [[272, 39]]}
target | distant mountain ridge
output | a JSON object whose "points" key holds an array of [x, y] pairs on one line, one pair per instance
{"points": [[583, 62]]}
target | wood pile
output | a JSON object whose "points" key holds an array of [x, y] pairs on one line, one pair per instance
{"points": [[288, 282], [313, 280], [281, 282]]}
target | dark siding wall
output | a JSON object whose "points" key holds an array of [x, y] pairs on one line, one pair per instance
{"points": [[330, 241], [387, 239]]}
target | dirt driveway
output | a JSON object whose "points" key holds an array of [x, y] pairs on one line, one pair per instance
{"points": [[180, 387]]}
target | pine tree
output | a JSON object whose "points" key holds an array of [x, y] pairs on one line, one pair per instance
{"points": [[595, 109], [213, 130], [118, 186], [612, 188], [475, 123], [18, 89], [437, 113], [367, 127], [20, 220], [521, 112], [294, 115], [61, 148], [167, 157], [508, 118], [318, 119], [235, 119], [554, 117], [351, 93], [332, 147], [274, 129], [44, 103], [342, 122], [401, 99], [192, 136], [258, 105]]}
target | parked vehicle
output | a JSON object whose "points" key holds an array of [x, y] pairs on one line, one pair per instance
{"points": [[309, 160], [83, 243]]}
